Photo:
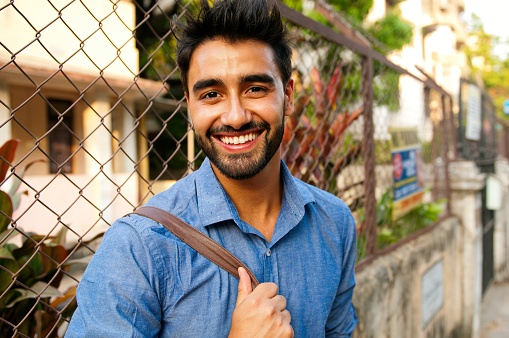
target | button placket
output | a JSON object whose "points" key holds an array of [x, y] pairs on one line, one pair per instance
{"points": [[268, 265]]}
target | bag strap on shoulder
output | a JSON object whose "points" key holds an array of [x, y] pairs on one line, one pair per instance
{"points": [[197, 240]]}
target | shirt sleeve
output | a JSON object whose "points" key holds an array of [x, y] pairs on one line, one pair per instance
{"points": [[343, 318], [117, 296]]}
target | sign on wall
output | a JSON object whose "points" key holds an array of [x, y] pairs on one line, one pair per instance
{"points": [[474, 122], [408, 181], [432, 292]]}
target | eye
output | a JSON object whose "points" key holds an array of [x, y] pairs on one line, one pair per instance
{"points": [[209, 95], [257, 89]]}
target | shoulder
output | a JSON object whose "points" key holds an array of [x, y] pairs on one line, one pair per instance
{"points": [[178, 198], [143, 245], [136, 235]]}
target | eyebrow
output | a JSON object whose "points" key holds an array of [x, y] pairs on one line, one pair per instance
{"points": [[205, 84], [263, 78]]}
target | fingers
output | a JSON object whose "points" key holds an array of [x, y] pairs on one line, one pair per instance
{"points": [[245, 286], [259, 312], [279, 303], [287, 318]]}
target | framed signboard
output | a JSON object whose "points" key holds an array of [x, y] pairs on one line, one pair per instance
{"points": [[408, 181], [474, 121]]}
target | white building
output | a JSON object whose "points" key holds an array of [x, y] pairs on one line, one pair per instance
{"points": [[438, 35], [77, 63]]}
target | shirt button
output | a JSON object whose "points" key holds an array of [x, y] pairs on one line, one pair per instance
{"points": [[268, 253]]}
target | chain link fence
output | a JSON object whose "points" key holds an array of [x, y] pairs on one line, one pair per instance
{"points": [[94, 123]]}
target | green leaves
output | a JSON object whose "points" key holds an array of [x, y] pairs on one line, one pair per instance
{"points": [[492, 67], [391, 231], [38, 290], [30, 272], [31, 269], [356, 9], [6, 210], [392, 31]]}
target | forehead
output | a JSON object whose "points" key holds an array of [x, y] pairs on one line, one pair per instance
{"points": [[221, 59]]}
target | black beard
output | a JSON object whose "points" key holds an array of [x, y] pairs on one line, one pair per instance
{"points": [[243, 166]]}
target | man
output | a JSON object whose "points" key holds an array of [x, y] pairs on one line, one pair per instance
{"points": [[298, 240]]}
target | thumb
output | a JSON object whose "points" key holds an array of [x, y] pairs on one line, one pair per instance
{"points": [[245, 287]]}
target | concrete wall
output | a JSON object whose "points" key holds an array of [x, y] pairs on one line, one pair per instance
{"points": [[431, 285], [389, 294]]}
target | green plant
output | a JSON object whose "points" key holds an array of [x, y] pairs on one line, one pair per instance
{"points": [[391, 231], [420, 217], [31, 267], [314, 145], [392, 30]]}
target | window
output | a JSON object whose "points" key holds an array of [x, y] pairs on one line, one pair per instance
{"points": [[60, 137]]}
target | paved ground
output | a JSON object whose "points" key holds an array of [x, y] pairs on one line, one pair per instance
{"points": [[495, 312]]}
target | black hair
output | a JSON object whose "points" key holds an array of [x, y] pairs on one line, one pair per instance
{"points": [[233, 21]]}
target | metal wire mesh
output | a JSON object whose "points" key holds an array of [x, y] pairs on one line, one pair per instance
{"points": [[319, 141], [92, 92]]}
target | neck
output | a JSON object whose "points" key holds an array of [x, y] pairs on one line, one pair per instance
{"points": [[257, 199]]}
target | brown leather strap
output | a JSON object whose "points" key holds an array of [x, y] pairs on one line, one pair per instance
{"points": [[197, 240]]}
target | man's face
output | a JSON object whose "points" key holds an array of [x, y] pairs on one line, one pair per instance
{"points": [[237, 103]]}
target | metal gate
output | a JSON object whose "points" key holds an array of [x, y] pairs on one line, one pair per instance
{"points": [[482, 149], [488, 226]]}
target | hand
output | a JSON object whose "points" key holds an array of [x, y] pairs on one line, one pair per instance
{"points": [[260, 312]]}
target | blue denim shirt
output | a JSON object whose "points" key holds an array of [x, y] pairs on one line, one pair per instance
{"points": [[145, 282]]}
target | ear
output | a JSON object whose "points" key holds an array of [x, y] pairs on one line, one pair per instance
{"points": [[289, 106]]}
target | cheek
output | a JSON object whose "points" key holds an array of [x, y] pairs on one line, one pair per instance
{"points": [[200, 125], [202, 118], [268, 108]]}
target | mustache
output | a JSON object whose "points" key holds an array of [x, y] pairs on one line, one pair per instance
{"points": [[248, 126]]}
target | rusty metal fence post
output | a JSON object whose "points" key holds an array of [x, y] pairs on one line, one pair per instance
{"points": [[445, 148], [369, 157]]}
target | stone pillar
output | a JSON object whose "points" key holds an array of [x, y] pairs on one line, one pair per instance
{"points": [[124, 121], [466, 203], [5, 114], [501, 234], [97, 127]]}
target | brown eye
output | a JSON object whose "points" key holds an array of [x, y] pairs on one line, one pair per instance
{"points": [[257, 90], [210, 95]]}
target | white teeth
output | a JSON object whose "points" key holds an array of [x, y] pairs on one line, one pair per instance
{"points": [[238, 139]]}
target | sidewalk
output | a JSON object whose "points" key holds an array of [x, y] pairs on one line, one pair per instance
{"points": [[495, 312]]}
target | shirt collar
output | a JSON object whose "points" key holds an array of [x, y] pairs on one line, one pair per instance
{"points": [[215, 205], [213, 202], [295, 198]]}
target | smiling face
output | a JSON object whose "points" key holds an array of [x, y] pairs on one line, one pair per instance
{"points": [[237, 103]]}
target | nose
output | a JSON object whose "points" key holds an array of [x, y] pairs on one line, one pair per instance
{"points": [[235, 114]]}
